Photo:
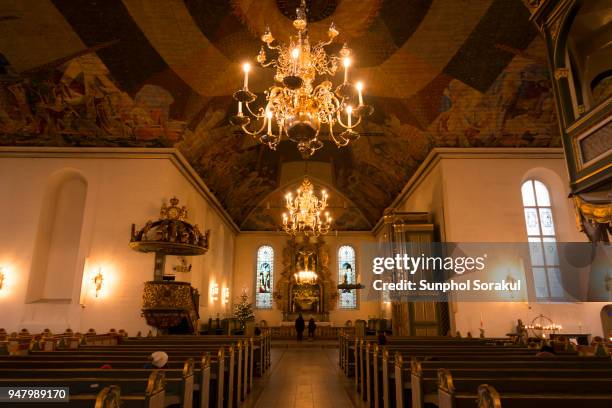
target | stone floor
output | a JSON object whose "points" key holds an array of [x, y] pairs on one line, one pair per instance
{"points": [[304, 378]]}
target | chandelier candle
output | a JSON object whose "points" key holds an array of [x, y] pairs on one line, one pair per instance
{"points": [[359, 86], [270, 115], [302, 99], [246, 67], [349, 111], [295, 54], [347, 64]]}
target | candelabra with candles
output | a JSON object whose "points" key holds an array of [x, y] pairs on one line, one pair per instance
{"points": [[542, 327], [305, 212], [296, 107], [306, 276]]}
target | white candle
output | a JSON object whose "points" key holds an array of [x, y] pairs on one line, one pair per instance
{"points": [[359, 87], [270, 114], [349, 111], [246, 67], [240, 108], [295, 53], [347, 63]]}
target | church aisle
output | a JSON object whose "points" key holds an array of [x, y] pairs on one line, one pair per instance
{"points": [[305, 378]]}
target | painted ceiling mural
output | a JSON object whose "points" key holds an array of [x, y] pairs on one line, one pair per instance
{"points": [[156, 73]]}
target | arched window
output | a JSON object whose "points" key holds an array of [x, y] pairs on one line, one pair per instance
{"points": [[541, 237], [55, 261], [264, 277], [347, 274]]}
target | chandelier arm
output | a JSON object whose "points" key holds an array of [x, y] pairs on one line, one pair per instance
{"points": [[323, 43], [261, 115], [346, 126], [331, 128], [273, 47], [271, 63], [326, 71], [276, 139], [339, 142], [255, 132]]}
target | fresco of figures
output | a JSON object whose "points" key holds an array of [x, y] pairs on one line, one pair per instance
{"points": [[77, 103], [162, 75]]}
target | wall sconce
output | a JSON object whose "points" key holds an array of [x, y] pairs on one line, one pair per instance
{"points": [[1, 277], [97, 280], [226, 295], [214, 292]]}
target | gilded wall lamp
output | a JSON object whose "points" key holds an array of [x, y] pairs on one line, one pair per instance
{"points": [[97, 280], [214, 292], [226, 295]]}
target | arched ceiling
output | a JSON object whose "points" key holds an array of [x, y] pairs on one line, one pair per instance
{"points": [[438, 72]]}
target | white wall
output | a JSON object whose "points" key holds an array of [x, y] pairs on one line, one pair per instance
{"points": [[245, 262], [480, 192], [473, 194], [123, 187]]}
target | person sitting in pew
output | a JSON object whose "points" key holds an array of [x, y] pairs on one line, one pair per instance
{"points": [[546, 351], [159, 359]]}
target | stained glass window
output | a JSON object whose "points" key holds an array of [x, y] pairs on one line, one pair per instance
{"points": [[542, 241], [347, 274], [264, 277]]}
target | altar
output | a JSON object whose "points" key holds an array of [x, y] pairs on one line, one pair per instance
{"points": [[319, 324], [305, 284]]}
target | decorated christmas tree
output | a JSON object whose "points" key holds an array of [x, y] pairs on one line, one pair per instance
{"points": [[243, 310]]}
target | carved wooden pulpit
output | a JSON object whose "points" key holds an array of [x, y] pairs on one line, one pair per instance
{"points": [[168, 305]]}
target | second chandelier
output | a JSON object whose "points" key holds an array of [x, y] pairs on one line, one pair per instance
{"points": [[305, 212]]}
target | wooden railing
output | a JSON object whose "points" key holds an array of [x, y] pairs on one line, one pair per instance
{"points": [[322, 332]]}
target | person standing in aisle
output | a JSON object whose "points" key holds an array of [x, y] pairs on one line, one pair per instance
{"points": [[300, 325]]}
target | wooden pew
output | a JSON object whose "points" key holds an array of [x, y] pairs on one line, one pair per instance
{"points": [[259, 346], [244, 355], [412, 389], [454, 392], [489, 397], [238, 381], [232, 381], [380, 372], [425, 381], [132, 365], [136, 393], [424, 377], [179, 383], [364, 348]]}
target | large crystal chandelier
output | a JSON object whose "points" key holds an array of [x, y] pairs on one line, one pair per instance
{"points": [[298, 105], [305, 212]]}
